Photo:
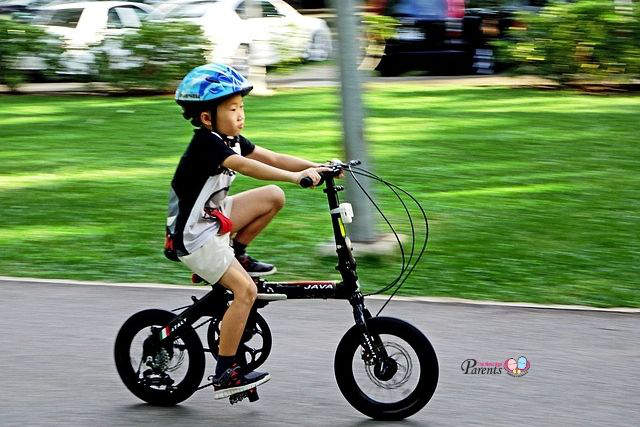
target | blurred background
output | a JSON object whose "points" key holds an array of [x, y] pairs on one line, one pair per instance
{"points": [[512, 121], [52, 40]]}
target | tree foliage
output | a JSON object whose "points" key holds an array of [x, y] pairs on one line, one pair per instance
{"points": [[21, 44], [153, 58], [588, 39]]}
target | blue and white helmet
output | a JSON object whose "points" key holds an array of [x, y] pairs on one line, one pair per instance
{"points": [[211, 83]]}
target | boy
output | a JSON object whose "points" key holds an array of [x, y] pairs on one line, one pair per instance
{"points": [[202, 216]]}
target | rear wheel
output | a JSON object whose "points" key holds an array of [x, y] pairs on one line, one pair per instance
{"points": [[390, 389], [161, 373]]}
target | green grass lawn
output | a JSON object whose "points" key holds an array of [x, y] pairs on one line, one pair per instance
{"points": [[531, 195]]}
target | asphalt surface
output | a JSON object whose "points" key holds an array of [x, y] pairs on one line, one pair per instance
{"points": [[57, 344]]}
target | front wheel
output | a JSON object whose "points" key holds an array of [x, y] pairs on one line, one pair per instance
{"points": [[161, 373], [390, 389]]}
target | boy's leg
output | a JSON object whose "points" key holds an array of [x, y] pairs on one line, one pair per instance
{"points": [[229, 378], [252, 211], [244, 295]]}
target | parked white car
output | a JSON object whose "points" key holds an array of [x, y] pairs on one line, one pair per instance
{"points": [[81, 25], [265, 31]]}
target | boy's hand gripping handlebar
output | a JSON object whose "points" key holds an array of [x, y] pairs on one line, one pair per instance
{"points": [[336, 167]]}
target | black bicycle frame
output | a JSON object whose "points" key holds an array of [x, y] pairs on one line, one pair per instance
{"points": [[346, 263], [215, 301]]}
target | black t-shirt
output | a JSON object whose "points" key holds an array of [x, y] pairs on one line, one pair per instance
{"points": [[201, 181]]}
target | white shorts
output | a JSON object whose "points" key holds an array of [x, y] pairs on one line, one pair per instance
{"points": [[213, 259]]}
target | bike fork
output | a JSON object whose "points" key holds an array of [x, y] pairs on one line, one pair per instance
{"points": [[374, 351]]}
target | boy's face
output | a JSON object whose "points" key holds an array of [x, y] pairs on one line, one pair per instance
{"points": [[230, 116]]}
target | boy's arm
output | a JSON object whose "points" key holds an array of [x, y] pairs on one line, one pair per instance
{"points": [[281, 161], [256, 169]]}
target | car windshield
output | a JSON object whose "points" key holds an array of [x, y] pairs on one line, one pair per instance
{"points": [[60, 18], [419, 8], [189, 10]]}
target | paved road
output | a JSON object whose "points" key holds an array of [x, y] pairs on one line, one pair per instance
{"points": [[57, 343]]}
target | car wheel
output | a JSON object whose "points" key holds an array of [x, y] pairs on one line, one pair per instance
{"points": [[241, 59], [389, 67], [320, 46]]}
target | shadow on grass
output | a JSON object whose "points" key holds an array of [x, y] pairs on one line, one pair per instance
{"points": [[530, 204]]}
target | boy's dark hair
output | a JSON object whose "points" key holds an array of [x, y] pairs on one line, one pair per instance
{"points": [[192, 110]]}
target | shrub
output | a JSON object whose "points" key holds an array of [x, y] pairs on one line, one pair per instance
{"points": [[588, 39], [379, 28], [23, 48], [154, 58]]}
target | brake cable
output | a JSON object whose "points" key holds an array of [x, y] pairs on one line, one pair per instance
{"points": [[408, 268], [390, 185], [403, 268]]}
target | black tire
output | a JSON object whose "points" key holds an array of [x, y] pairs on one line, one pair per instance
{"points": [[255, 344], [390, 330], [388, 68], [138, 327]]}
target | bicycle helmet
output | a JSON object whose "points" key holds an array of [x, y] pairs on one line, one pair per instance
{"points": [[204, 87]]}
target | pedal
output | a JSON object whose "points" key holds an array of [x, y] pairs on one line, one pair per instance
{"points": [[251, 394], [235, 398]]}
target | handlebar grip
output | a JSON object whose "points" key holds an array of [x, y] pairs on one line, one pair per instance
{"points": [[306, 182]]}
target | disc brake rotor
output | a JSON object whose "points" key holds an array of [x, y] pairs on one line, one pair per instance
{"points": [[404, 366]]}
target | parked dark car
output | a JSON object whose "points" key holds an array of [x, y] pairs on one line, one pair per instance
{"points": [[482, 25], [445, 37], [429, 37]]}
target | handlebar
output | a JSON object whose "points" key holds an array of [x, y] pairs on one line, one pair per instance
{"points": [[307, 182], [336, 168]]}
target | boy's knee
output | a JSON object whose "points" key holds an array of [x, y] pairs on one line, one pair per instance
{"points": [[277, 196], [247, 294]]}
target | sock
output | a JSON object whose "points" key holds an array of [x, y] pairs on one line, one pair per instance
{"points": [[224, 363], [239, 248]]}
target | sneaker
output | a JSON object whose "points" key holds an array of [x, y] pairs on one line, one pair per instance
{"points": [[232, 381], [254, 267]]}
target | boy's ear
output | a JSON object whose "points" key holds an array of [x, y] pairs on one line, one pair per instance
{"points": [[205, 118]]}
